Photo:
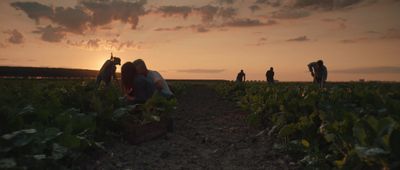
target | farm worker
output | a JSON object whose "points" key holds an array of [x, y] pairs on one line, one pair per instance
{"points": [[159, 82], [241, 76], [136, 87], [270, 75], [318, 72], [107, 71]]}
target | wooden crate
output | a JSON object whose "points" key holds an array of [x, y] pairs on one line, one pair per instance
{"points": [[136, 134]]}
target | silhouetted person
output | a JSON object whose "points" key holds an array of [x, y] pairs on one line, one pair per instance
{"points": [[136, 87], [241, 77], [107, 71], [153, 76], [318, 72], [270, 75]]}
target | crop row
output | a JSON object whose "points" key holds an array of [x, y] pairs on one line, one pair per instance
{"points": [[343, 126]]}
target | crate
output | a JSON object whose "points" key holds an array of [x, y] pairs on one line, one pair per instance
{"points": [[135, 133]]}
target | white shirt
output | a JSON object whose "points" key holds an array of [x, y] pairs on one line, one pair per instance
{"points": [[154, 76]]}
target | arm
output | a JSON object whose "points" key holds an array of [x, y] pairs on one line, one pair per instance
{"points": [[311, 68], [158, 80], [244, 77]]}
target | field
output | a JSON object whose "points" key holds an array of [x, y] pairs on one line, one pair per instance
{"points": [[70, 124]]}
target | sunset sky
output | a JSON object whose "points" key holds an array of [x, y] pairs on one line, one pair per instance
{"points": [[208, 39]]}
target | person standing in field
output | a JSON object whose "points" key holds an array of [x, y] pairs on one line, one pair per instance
{"points": [[107, 71], [270, 75], [159, 82], [241, 77], [319, 72]]}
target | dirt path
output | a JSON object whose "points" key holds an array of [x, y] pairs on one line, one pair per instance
{"points": [[210, 133]]}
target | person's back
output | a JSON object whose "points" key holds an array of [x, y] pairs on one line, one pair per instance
{"points": [[241, 76], [106, 72], [160, 82], [143, 89], [270, 76], [319, 72]]}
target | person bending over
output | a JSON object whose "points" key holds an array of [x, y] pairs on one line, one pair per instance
{"points": [[107, 71], [319, 72], [136, 87], [159, 82]]}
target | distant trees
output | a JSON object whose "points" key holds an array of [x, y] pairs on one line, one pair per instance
{"points": [[9, 71]]}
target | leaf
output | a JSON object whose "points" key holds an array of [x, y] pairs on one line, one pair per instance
{"points": [[39, 157], [7, 163], [58, 151], [305, 143], [329, 137], [22, 140], [15, 133], [26, 109], [287, 130], [370, 152], [50, 134]]}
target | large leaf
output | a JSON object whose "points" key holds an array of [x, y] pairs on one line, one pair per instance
{"points": [[16, 133], [7, 163], [58, 151], [370, 151]]}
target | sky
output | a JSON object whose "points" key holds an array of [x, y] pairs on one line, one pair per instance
{"points": [[208, 39]]}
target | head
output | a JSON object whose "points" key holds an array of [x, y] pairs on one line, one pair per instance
{"points": [[128, 72], [116, 60], [320, 63], [140, 66], [271, 68], [241, 71]]}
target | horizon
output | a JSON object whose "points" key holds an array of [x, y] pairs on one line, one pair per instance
{"points": [[196, 79], [211, 39]]}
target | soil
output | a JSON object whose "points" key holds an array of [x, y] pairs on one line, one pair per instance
{"points": [[210, 133]]}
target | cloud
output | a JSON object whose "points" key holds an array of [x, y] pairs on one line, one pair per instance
{"points": [[34, 10], [104, 12], [168, 11], [274, 3], [299, 39], [177, 28], [326, 4], [261, 41], [50, 33], [119, 45], [86, 15], [230, 2], [370, 70], [15, 36], [287, 13], [254, 8], [207, 13], [391, 34], [201, 71], [72, 19], [201, 29], [339, 19], [355, 40], [248, 23], [196, 28], [98, 44], [227, 13]]}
